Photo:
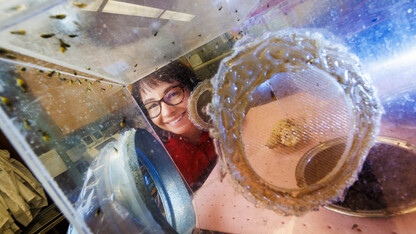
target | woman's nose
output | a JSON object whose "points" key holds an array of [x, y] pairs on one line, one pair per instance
{"points": [[167, 110]]}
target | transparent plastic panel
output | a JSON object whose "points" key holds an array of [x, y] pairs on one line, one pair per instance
{"points": [[118, 40], [381, 34], [76, 133], [103, 40]]}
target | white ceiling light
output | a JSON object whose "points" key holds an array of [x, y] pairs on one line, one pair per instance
{"points": [[177, 16], [124, 8]]}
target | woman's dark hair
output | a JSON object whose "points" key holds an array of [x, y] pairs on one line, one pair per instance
{"points": [[173, 72]]}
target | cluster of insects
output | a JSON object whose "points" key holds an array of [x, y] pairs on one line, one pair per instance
{"points": [[64, 42], [285, 132], [20, 82], [63, 46]]}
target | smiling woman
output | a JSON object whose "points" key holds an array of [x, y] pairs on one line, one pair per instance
{"points": [[163, 97]]}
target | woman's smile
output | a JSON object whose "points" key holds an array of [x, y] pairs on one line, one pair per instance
{"points": [[178, 119]]}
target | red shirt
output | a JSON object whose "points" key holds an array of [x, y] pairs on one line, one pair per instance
{"points": [[193, 161]]}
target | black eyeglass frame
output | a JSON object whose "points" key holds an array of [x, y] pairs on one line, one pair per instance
{"points": [[163, 99]]}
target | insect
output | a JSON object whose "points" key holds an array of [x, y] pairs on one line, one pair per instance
{"points": [[63, 46], [22, 69], [51, 73], [45, 136], [115, 149], [155, 34], [219, 9], [6, 102], [97, 212], [123, 122], [79, 82], [80, 5], [26, 124], [273, 96], [222, 175], [72, 35], [135, 65], [7, 53], [4, 51], [22, 84], [71, 82], [88, 68], [61, 16], [11, 56], [48, 35], [18, 32]]}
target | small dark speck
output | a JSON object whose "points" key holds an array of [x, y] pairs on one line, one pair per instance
{"points": [[155, 34], [317, 84], [199, 35], [236, 11], [268, 5], [220, 8], [134, 71], [135, 65], [173, 43]]}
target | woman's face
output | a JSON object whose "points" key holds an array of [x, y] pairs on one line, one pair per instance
{"points": [[172, 118]]}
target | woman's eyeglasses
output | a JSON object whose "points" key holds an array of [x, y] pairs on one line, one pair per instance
{"points": [[173, 96]]}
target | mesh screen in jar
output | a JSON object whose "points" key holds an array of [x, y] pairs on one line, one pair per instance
{"points": [[309, 108]]}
